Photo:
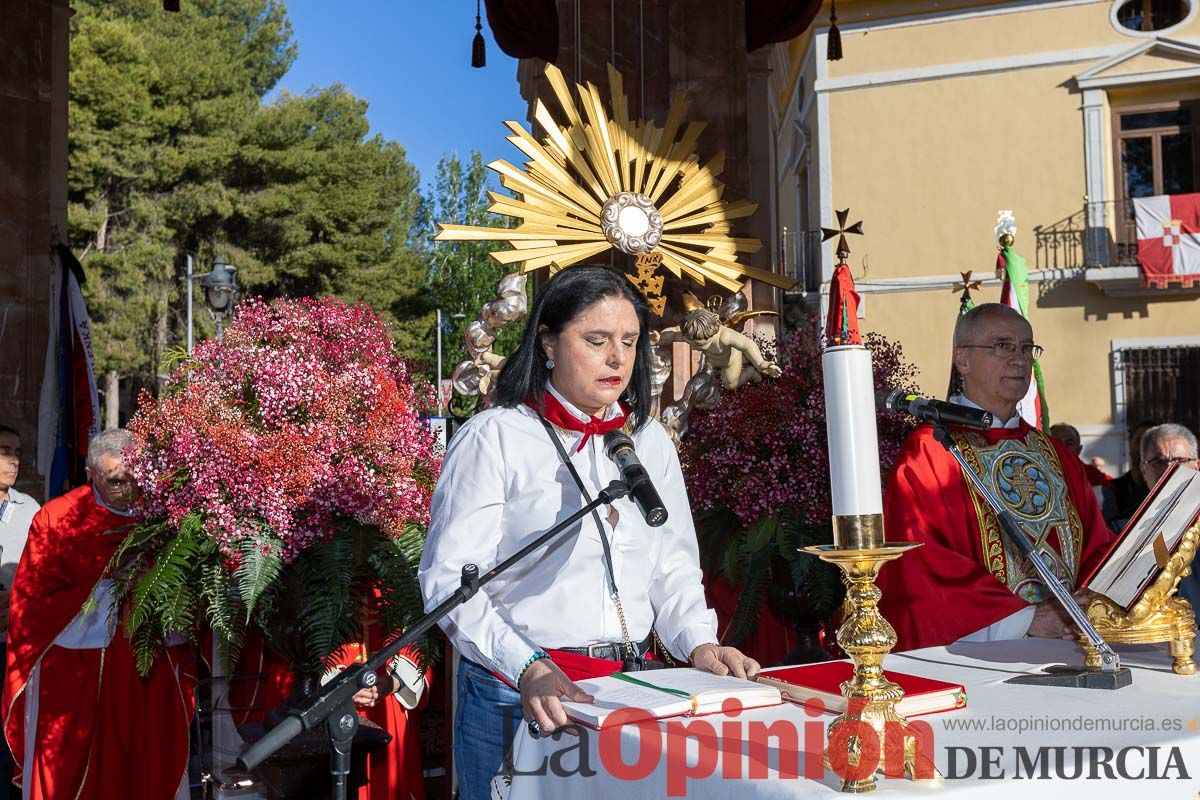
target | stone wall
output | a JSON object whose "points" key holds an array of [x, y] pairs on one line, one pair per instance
{"points": [[33, 201]]}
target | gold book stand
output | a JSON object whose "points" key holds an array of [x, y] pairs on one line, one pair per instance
{"points": [[1158, 615]]}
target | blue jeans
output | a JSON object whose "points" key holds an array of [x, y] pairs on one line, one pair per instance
{"points": [[486, 722]]}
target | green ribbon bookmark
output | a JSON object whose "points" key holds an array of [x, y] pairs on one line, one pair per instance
{"points": [[677, 692], [695, 703]]}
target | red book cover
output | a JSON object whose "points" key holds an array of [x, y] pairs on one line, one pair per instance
{"points": [[824, 682]]}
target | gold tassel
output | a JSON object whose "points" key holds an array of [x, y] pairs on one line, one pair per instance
{"points": [[833, 46]]}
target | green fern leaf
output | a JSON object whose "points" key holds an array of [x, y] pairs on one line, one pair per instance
{"points": [[745, 616], [259, 567]]}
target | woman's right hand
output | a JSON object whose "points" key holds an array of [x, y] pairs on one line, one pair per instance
{"points": [[542, 687]]}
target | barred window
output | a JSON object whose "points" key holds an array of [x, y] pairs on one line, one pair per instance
{"points": [[1160, 384]]}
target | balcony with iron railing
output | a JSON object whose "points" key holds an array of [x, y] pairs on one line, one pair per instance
{"points": [[1101, 234], [801, 254], [1100, 242]]}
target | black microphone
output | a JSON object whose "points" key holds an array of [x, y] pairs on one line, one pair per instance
{"points": [[935, 411], [619, 448]]}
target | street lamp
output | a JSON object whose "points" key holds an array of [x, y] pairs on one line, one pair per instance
{"points": [[440, 405], [220, 288]]}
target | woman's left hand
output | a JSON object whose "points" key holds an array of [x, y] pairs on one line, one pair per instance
{"points": [[723, 661]]}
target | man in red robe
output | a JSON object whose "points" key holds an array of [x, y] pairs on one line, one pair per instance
{"points": [[968, 581], [81, 722]]}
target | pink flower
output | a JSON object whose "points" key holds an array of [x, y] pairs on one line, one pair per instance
{"points": [[765, 445], [302, 418]]}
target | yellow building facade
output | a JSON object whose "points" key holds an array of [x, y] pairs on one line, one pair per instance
{"points": [[941, 114]]}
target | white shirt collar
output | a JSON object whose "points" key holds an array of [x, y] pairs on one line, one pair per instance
{"points": [[613, 409], [1011, 422], [17, 498]]}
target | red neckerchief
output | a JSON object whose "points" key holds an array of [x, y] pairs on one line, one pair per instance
{"points": [[557, 414]]}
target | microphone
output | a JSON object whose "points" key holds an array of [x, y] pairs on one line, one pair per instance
{"points": [[935, 411], [619, 448]]}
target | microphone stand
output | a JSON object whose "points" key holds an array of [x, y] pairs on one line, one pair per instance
{"points": [[333, 705], [1111, 675]]}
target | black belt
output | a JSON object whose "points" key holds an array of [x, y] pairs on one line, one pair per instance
{"points": [[610, 651]]}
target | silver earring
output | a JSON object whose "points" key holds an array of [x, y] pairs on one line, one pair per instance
{"points": [[549, 363]]}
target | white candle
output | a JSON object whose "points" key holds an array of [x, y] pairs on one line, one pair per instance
{"points": [[853, 441]]}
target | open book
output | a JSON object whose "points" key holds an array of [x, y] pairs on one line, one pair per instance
{"points": [[824, 682], [1150, 538], [666, 693]]}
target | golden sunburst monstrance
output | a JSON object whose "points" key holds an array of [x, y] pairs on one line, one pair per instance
{"points": [[597, 183]]}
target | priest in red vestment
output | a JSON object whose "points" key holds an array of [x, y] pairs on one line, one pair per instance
{"points": [[81, 722], [967, 581]]}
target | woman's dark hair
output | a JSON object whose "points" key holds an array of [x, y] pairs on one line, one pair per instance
{"points": [[564, 297]]}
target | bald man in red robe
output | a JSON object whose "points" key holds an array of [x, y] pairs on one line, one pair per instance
{"points": [[967, 581], [81, 722]]}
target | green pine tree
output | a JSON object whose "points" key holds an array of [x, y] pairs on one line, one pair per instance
{"points": [[462, 277], [157, 104]]}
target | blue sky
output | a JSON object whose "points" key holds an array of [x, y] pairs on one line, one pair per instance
{"points": [[411, 60]]}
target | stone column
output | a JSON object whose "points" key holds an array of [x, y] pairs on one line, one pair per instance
{"points": [[33, 202]]}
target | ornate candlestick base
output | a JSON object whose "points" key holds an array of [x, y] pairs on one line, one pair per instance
{"points": [[870, 697], [1157, 616]]}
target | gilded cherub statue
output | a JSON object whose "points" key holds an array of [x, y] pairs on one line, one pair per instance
{"points": [[713, 332], [733, 355]]}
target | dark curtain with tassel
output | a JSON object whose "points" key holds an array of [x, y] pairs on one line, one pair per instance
{"points": [[478, 47], [771, 21], [525, 28], [529, 28]]}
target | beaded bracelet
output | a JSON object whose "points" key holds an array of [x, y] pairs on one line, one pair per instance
{"points": [[538, 655]]}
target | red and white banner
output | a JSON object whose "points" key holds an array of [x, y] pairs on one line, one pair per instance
{"points": [[1168, 234]]}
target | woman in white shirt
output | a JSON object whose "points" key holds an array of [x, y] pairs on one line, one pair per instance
{"points": [[584, 366]]}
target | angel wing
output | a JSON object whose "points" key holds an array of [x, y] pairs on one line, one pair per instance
{"points": [[739, 319]]}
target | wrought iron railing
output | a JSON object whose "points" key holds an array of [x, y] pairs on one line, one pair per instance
{"points": [[801, 251], [1159, 384], [1101, 234]]}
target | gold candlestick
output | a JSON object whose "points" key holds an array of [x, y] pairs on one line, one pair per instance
{"points": [[871, 698]]}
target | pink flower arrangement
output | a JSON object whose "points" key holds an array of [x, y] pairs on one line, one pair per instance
{"points": [[765, 446], [301, 419]]}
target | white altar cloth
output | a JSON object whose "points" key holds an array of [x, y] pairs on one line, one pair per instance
{"points": [[1009, 739]]}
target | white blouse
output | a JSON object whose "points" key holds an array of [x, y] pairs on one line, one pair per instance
{"points": [[502, 485]]}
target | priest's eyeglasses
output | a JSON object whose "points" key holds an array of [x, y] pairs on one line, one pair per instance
{"points": [[1008, 349], [1163, 463]]}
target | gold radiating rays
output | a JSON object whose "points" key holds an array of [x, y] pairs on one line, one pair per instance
{"points": [[648, 172]]}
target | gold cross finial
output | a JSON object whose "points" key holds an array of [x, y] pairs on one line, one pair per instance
{"points": [[843, 248]]}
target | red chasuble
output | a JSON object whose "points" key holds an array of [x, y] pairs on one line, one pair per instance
{"points": [[80, 720], [967, 576]]}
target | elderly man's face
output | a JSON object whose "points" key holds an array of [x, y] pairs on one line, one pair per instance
{"points": [[1162, 453], [114, 482], [1067, 436], [992, 379], [10, 460]]}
